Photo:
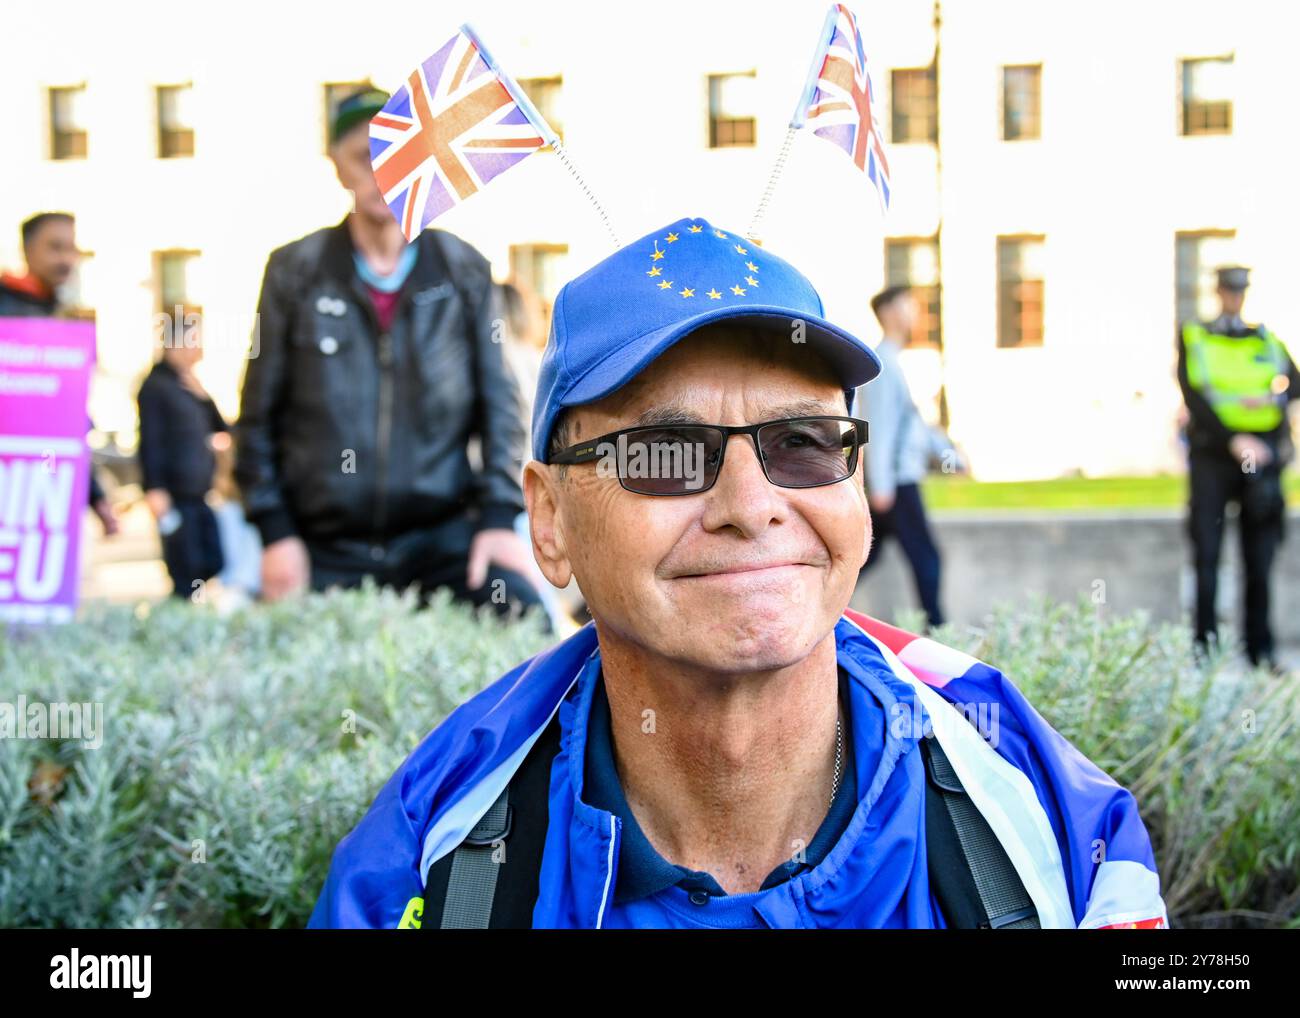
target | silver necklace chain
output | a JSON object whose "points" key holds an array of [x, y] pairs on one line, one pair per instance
{"points": [[839, 754]]}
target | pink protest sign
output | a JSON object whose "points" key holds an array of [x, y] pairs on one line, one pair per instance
{"points": [[45, 366]]}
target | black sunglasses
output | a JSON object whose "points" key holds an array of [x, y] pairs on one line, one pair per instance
{"points": [[685, 459]]}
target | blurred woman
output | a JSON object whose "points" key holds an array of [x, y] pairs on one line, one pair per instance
{"points": [[177, 422]]}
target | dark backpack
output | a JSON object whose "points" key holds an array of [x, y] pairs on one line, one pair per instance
{"points": [[971, 876]]}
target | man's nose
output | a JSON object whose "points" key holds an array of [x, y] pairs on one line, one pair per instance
{"points": [[742, 496]]}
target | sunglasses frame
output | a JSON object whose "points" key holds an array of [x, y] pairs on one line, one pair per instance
{"points": [[589, 451]]}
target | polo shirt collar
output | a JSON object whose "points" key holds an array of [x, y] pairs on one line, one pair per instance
{"points": [[642, 871]]}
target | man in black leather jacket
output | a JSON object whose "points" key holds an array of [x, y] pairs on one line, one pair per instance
{"points": [[373, 366]]}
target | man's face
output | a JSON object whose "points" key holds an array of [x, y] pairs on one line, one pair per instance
{"points": [[51, 253], [351, 155], [1231, 300], [742, 577]]}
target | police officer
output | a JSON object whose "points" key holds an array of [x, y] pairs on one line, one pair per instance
{"points": [[1237, 380]]}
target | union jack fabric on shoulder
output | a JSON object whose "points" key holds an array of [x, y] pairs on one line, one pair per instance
{"points": [[1056, 812], [456, 123], [838, 99]]}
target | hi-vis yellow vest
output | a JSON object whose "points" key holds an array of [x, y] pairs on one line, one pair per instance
{"points": [[1244, 378]]}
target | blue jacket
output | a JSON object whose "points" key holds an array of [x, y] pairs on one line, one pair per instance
{"points": [[1046, 803]]}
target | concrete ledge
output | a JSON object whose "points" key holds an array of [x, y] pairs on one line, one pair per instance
{"points": [[1135, 560]]}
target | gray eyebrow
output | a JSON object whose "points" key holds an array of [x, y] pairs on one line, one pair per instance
{"points": [[669, 413]]}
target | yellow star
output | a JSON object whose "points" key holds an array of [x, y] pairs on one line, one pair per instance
{"points": [[714, 295], [739, 291], [657, 255], [688, 292], [671, 237], [696, 229], [751, 266], [655, 271], [720, 234], [666, 285], [751, 280], [740, 250]]}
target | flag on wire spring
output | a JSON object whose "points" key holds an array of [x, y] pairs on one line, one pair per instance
{"points": [[456, 123], [839, 101]]}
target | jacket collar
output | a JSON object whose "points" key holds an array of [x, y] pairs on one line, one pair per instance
{"points": [[594, 834], [337, 261]]}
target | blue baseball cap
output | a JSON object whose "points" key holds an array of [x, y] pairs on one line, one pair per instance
{"points": [[622, 313]]}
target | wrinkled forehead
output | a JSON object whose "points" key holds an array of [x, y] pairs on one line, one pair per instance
{"points": [[780, 377]]}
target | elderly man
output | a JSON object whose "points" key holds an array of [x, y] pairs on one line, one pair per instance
{"points": [[724, 745]]}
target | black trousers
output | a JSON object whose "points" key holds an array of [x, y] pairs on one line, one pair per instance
{"points": [[192, 553], [906, 521], [429, 558], [1215, 480]]}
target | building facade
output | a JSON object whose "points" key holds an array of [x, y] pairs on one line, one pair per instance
{"points": [[1064, 176]]}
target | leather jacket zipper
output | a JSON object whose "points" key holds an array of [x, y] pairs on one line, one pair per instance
{"points": [[385, 431]]}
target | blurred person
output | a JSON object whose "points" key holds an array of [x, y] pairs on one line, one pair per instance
{"points": [[377, 365], [524, 336], [178, 420], [726, 745], [1237, 380], [50, 252], [898, 455]]}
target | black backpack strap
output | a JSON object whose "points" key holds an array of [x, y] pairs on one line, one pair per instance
{"points": [[972, 876], [490, 881]]}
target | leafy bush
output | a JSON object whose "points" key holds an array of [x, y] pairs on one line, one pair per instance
{"points": [[238, 750], [1212, 754], [252, 742]]}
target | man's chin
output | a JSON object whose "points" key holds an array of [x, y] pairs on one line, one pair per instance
{"points": [[746, 640]]}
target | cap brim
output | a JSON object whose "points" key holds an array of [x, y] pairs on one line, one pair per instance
{"points": [[853, 361]]}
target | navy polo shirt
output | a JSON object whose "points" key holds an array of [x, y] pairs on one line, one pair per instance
{"points": [[642, 871]]}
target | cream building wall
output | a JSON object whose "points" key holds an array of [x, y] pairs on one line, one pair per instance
{"points": [[1108, 184]]}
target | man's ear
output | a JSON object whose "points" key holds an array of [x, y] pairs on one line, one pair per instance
{"points": [[545, 523]]}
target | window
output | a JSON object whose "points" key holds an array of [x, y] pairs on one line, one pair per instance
{"points": [[68, 122], [174, 273], [914, 262], [1021, 102], [541, 269], [1207, 96], [732, 109], [1197, 254], [544, 93], [1020, 291], [914, 113], [78, 294], [175, 122], [335, 93]]}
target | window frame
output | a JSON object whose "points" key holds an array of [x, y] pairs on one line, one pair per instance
{"points": [[1001, 242], [717, 121], [163, 132], [329, 104], [1187, 105], [1196, 236], [1036, 115], [928, 296], [56, 152], [159, 257], [905, 116], [546, 81]]}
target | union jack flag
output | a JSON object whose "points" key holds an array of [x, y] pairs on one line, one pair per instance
{"points": [[457, 122], [838, 96]]}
